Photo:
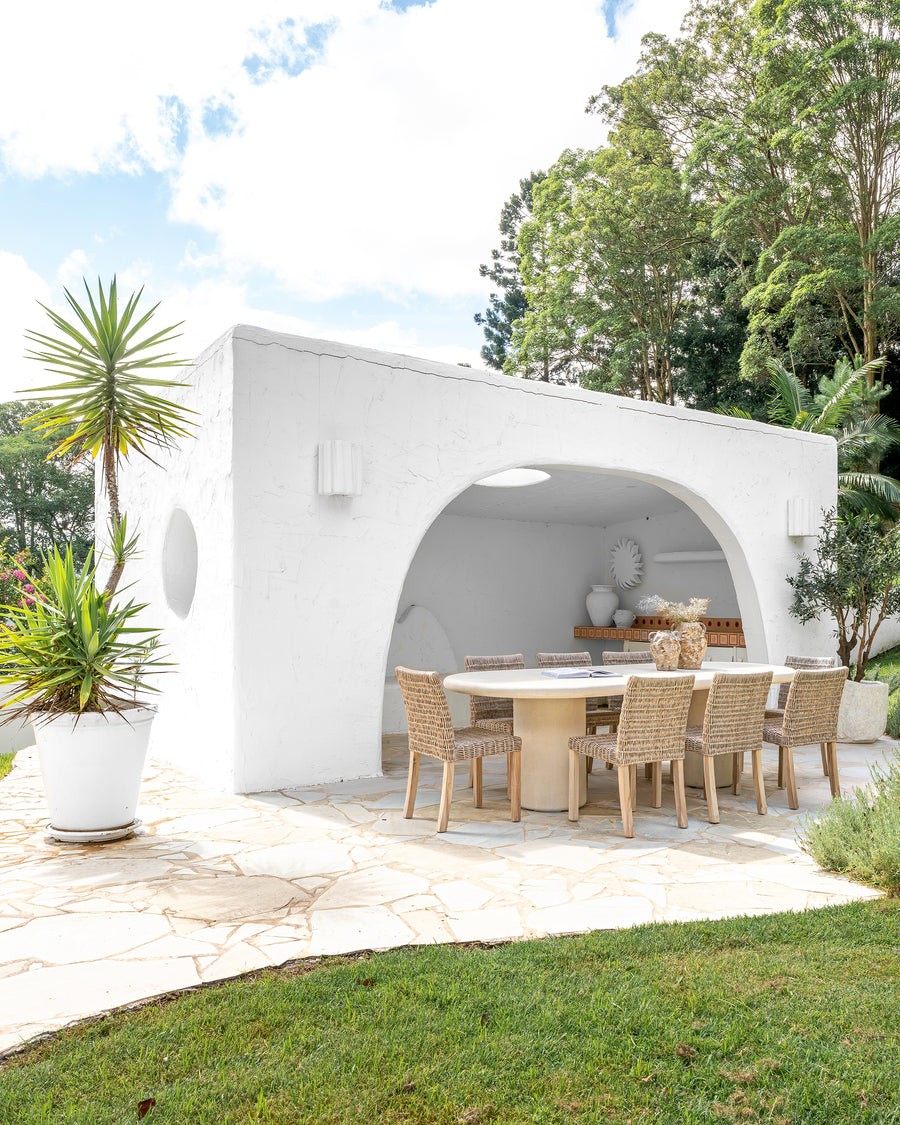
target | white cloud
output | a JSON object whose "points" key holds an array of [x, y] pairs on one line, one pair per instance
{"points": [[20, 288], [382, 166]]}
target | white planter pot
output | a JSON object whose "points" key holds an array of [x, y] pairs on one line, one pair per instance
{"points": [[863, 714], [92, 772], [601, 603]]}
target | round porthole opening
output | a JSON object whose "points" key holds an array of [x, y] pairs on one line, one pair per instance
{"points": [[179, 563]]}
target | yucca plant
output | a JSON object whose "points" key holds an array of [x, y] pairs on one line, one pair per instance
{"points": [[108, 406], [75, 652]]}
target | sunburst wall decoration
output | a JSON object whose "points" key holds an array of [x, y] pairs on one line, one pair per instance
{"points": [[626, 564]]}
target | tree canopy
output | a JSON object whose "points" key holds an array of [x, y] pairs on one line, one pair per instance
{"points": [[42, 502], [745, 207]]}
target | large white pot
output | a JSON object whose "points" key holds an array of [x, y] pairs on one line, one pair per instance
{"points": [[863, 714], [601, 603], [92, 772]]}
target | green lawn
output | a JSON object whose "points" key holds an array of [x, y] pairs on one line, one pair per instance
{"points": [[6, 761], [787, 1018]]}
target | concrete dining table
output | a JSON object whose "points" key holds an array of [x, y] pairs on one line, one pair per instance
{"points": [[548, 711]]}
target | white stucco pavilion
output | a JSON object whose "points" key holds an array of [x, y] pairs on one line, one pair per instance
{"points": [[331, 488]]}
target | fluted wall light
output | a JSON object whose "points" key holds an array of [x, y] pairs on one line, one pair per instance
{"points": [[800, 519], [340, 468]]}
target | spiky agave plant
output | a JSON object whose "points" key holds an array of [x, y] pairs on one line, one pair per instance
{"points": [[76, 651], [108, 405]]}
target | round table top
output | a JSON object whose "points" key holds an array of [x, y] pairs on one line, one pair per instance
{"points": [[531, 683]]}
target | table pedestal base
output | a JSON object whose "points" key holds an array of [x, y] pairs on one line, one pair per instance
{"points": [[545, 727]]}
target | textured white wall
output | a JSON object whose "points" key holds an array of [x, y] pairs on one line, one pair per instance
{"points": [[680, 531], [285, 648]]}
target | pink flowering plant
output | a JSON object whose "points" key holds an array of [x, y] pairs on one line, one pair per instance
{"points": [[21, 581]]}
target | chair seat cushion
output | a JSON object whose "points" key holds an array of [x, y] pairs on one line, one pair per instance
{"points": [[475, 742], [605, 747], [499, 726], [773, 731]]}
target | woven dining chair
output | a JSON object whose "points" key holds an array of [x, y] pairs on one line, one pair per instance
{"points": [[490, 712], [614, 702], [651, 730], [597, 714], [810, 715], [732, 724], [778, 711], [431, 733]]}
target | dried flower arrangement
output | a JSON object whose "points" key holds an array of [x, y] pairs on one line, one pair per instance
{"points": [[678, 612]]}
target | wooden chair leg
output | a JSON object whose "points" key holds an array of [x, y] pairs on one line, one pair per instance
{"points": [[609, 765], [781, 767], [680, 796], [759, 784], [656, 779], [625, 806], [789, 777], [470, 784], [446, 797], [412, 784], [514, 774], [709, 789], [833, 769], [588, 764], [648, 770], [632, 781], [477, 787], [823, 747], [574, 778], [737, 773]]}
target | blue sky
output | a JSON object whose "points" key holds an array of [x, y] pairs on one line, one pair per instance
{"points": [[331, 169]]}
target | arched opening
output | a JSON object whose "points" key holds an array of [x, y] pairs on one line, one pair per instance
{"points": [[507, 570], [179, 563]]}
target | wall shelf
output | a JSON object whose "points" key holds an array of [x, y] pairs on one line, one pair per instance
{"points": [[723, 632]]}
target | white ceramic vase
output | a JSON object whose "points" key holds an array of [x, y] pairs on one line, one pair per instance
{"points": [[601, 603], [92, 772], [623, 618]]}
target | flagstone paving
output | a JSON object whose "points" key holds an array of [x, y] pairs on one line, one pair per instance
{"points": [[215, 885]]}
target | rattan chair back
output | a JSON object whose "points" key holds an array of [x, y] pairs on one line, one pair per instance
{"points": [[427, 713], [489, 706], [654, 719], [801, 662], [811, 710], [644, 656], [735, 712]]}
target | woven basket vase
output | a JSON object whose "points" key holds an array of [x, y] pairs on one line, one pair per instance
{"points": [[692, 637]]}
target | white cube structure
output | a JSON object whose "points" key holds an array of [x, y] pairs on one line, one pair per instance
{"points": [[278, 592]]}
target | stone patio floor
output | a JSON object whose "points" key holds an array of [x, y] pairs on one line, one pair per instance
{"points": [[215, 885]]}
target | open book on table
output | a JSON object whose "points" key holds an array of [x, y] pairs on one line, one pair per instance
{"points": [[576, 673]]}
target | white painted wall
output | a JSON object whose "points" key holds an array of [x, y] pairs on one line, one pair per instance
{"points": [[505, 585], [282, 656], [680, 531]]}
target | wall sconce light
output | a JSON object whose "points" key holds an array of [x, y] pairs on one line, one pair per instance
{"points": [[800, 520], [340, 468]]}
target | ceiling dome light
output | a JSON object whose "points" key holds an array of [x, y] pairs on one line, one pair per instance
{"points": [[514, 478]]}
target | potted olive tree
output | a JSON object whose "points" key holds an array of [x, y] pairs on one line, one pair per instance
{"points": [[78, 661], [854, 578]]}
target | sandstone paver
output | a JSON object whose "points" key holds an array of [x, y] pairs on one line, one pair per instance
{"points": [[216, 885]]}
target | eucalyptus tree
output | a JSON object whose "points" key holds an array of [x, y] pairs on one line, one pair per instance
{"points": [[785, 119], [107, 406], [607, 266]]}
